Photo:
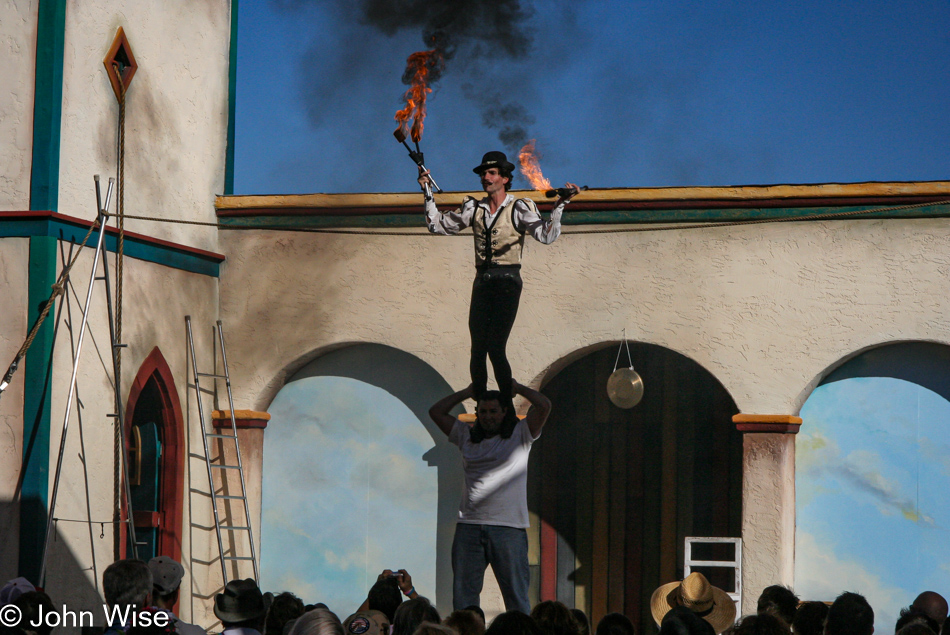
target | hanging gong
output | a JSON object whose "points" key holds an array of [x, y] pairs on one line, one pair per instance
{"points": [[625, 388]]}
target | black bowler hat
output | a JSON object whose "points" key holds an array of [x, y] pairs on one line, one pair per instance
{"points": [[494, 159], [242, 600]]}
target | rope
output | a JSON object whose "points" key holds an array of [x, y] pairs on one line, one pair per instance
{"points": [[58, 289], [616, 230], [117, 352]]}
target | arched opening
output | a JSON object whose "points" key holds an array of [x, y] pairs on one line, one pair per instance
{"points": [[357, 478], [615, 492], [871, 476], [154, 432]]}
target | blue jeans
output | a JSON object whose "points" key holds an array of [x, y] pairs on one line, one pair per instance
{"points": [[505, 549]]}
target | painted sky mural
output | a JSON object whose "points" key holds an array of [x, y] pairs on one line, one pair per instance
{"points": [[873, 472], [346, 492]]}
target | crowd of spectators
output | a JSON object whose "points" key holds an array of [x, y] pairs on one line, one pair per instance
{"points": [[690, 607]]}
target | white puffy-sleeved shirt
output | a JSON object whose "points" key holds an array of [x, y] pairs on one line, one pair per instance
{"points": [[525, 219], [496, 477]]}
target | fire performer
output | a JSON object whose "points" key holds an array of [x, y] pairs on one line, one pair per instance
{"points": [[499, 222]]}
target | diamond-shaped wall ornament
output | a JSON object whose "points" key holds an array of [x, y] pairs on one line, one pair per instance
{"points": [[120, 63]]}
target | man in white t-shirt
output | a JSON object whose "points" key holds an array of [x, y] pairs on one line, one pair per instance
{"points": [[493, 514]]}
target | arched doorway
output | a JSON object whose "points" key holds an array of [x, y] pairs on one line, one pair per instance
{"points": [[871, 476], [617, 491], [357, 478], [154, 432]]}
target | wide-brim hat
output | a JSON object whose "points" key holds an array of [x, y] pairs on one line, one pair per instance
{"points": [[495, 159], [166, 574], [695, 593], [241, 600]]}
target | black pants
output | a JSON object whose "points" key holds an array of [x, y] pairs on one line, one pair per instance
{"points": [[495, 296]]}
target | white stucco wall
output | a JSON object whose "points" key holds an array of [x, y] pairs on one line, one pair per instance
{"points": [[766, 309], [18, 52], [176, 112], [14, 284]]}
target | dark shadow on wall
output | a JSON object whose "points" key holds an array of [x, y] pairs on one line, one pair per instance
{"points": [[921, 363], [418, 386], [66, 578]]}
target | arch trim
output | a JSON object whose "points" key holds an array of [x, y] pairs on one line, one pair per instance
{"points": [[173, 465]]}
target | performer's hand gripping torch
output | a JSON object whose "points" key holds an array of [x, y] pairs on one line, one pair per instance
{"points": [[416, 156]]}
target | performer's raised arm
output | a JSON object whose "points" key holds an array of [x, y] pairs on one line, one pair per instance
{"points": [[529, 219], [540, 407], [440, 410], [444, 223]]}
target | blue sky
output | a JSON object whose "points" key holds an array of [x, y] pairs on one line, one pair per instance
{"points": [[618, 93], [872, 472]]}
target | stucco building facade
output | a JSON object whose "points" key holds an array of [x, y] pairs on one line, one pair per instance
{"points": [[766, 310]]}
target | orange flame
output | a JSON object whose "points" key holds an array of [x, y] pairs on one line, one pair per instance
{"points": [[418, 65], [531, 169]]}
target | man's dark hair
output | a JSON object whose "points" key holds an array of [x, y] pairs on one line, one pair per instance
{"points": [[477, 610], [412, 613], [29, 604], [761, 624], [810, 618], [255, 623], [850, 614], [127, 583], [915, 628], [509, 173], [583, 624], [554, 618], [780, 601], [615, 624], [285, 607], [910, 615], [933, 604], [167, 600], [513, 623], [465, 622], [384, 596], [680, 620], [477, 433]]}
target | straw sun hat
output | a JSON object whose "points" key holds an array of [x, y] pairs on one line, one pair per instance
{"points": [[695, 593]]}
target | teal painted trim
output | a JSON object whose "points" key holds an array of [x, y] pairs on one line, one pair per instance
{"points": [[48, 104], [613, 217], [232, 101], [34, 495], [134, 247]]}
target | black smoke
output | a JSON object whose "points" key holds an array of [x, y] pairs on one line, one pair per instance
{"points": [[510, 118], [494, 28], [475, 32]]}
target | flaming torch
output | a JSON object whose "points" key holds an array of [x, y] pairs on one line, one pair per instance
{"points": [[421, 68], [528, 158]]}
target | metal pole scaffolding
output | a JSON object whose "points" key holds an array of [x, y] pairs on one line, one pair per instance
{"points": [[102, 216]]}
